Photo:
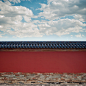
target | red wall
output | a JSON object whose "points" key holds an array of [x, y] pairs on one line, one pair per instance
{"points": [[53, 61]]}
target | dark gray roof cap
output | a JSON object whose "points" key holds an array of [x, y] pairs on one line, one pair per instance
{"points": [[43, 44]]}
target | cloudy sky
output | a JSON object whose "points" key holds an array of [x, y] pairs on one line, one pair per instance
{"points": [[42, 20]]}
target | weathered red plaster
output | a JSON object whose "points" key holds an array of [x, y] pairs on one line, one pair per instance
{"points": [[48, 61]]}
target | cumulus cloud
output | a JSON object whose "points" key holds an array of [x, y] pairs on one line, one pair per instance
{"points": [[14, 1], [80, 17], [11, 21], [13, 11], [25, 30], [7, 2], [59, 8], [79, 36], [0, 35], [54, 10], [61, 27]]}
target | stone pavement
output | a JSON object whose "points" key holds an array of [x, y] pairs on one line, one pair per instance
{"points": [[48, 85], [42, 79]]}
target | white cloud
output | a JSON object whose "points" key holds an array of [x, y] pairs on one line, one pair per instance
{"points": [[60, 8], [79, 35], [1, 16], [7, 2], [22, 30], [79, 17], [1, 26], [55, 9], [83, 35], [0, 36], [13, 11], [61, 27], [27, 19], [10, 21], [14, 1], [71, 36]]}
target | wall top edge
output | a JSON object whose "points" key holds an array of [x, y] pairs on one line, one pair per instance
{"points": [[44, 44]]}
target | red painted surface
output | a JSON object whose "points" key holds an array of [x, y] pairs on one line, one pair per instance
{"points": [[56, 61]]}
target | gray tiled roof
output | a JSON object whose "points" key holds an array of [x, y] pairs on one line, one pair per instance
{"points": [[43, 44]]}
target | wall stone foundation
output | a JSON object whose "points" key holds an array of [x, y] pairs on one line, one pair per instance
{"points": [[42, 79], [47, 85]]}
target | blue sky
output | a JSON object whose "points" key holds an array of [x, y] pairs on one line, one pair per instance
{"points": [[42, 20]]}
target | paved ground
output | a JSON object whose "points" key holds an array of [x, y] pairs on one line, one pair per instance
{"points": [[49, 85], [42, 79]]}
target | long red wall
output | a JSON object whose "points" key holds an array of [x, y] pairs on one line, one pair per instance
{"points": [[51, 61]]}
